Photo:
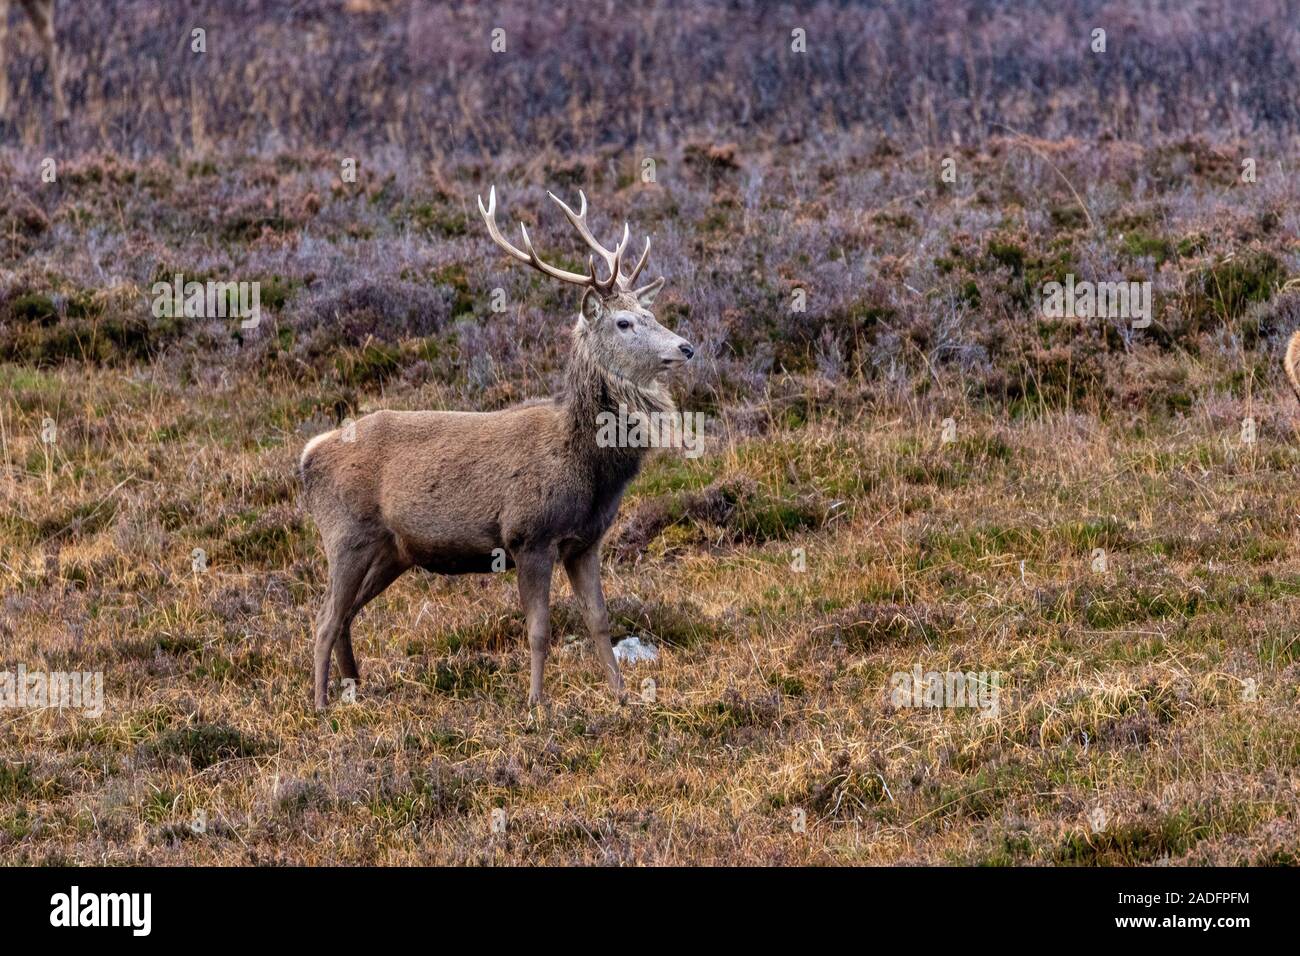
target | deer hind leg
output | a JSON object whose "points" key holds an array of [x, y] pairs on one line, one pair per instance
{"points": [[383, 571], [346, 573], [344, 656], [357, 577], [535, 595], [584, 574], [343, 643], [348, 568]]}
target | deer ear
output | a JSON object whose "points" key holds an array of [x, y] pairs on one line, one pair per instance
{"points": [[646, 294], [592, 307]]}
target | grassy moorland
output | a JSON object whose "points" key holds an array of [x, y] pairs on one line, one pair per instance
{"points": [[1148, 708]]}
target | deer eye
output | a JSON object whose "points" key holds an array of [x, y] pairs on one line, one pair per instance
{"points": [[624, 324]]}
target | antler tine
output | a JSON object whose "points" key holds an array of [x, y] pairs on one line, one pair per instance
{"points": [[490, 218], [531, 257], [640, 263], [579, 221], [564, 276], [618, 256]]}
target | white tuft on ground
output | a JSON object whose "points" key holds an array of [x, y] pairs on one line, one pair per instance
{"points": [[631, 650]]}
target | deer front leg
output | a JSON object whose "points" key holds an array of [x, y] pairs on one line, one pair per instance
{"points": [[535, 595], [584, 574]]}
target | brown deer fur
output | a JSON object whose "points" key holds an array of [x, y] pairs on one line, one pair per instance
{"points": [[1291, 362], [442, 490]]}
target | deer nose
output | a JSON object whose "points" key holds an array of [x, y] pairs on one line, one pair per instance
{"points": [[686, 349]]}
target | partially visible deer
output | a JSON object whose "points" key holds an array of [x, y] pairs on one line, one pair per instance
{"points": [[41, 13], [1291, 362], [444, 490]]}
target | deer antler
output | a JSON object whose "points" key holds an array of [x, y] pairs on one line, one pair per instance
{"points": [[530, 257], [613, 259]]}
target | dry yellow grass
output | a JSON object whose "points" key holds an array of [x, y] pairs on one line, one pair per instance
{"points": [[1122, 690]]}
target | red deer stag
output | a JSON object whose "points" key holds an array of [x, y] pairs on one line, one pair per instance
{"points": [[530, 485]]}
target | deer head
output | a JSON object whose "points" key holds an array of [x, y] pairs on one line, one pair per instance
{"points": [[615, 324]]}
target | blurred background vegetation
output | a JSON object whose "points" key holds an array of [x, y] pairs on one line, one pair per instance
{"points": [[421, 75]]}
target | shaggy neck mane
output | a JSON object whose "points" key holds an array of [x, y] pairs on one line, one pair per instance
{"points": [[591, 390]]}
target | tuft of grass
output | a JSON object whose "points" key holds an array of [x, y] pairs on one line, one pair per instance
{"points": [[1221, 293], [204, 744]]}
